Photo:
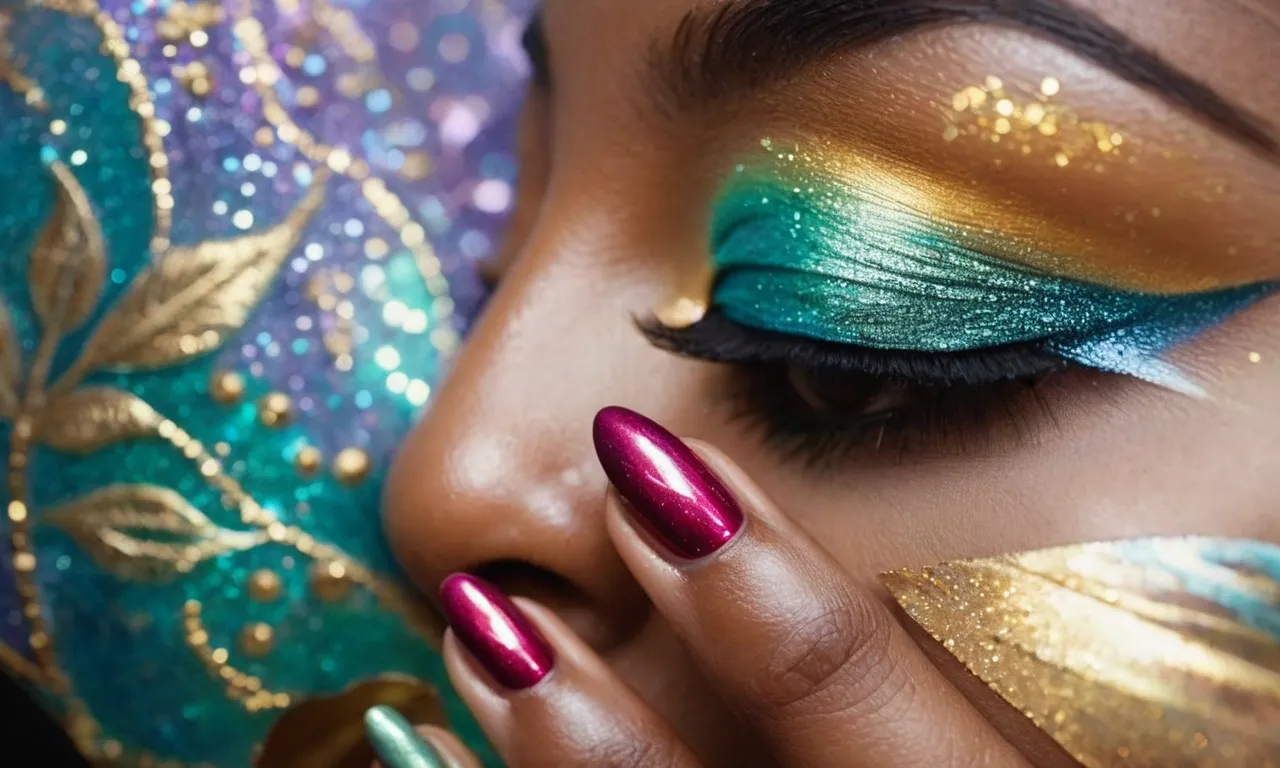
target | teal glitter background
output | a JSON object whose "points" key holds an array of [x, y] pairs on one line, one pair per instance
{"points": [[120, 640], [824, 260]]}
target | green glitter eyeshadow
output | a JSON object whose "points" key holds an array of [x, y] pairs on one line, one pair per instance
{"points": [[831, 262]]}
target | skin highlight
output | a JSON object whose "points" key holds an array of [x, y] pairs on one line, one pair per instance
{"points": [[501, 478]]}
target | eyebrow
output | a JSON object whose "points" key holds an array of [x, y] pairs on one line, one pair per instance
{"points": [[737, 47]]}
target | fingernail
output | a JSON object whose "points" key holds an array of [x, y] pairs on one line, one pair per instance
{"points": [[495, 631], [396, 743], [673, 494]]}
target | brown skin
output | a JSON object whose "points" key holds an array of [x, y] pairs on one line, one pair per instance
{"points": [[501, 478]]}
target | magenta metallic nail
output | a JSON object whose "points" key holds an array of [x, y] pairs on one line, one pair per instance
{"points": [[496, 633], [672, 493]]}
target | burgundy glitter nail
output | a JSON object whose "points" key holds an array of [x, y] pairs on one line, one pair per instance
{"points": [[673, 494], [496, 633]]}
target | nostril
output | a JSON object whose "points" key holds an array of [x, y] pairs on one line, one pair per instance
{"points": [[575, 607]]}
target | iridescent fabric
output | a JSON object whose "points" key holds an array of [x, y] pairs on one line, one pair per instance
{"points": [[238, 245]]}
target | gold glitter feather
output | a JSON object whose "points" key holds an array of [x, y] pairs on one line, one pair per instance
{"points": [[197, 296], [10, 364], [94, 417], [1125, 659], [69, 260], [146, 531]]}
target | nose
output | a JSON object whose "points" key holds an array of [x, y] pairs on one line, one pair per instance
{"points": [[500, 479]]}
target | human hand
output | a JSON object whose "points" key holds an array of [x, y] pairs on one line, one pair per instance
{"points": [[813, 663]]}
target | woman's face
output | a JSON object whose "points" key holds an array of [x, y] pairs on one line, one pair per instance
{"points": [[631, 139]]}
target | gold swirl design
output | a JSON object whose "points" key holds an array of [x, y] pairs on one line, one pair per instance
{"points": [[186, 304], [245, 688]]}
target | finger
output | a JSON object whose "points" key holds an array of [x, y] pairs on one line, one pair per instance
{"points": [[399, 745], [541, 695], [450, 747], [817, 664]]}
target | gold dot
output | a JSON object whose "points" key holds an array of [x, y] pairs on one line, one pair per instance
{"points": [[17, 511], [1062, 160], [960, 102], [329, 581], [307, 462], [256, 639], [1050, 86], [951, 133], [1048, 128], [275, 409], [1003, 126], [1004, 107], [1033, 114], [351, 466], [227, 387], [1255, 357], [308, 96], [24, 562], [264, 585], [993, 83]]}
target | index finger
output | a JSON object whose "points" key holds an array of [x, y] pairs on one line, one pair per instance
{"points": [[819, 665]]}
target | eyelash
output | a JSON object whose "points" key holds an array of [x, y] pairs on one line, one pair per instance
{"points": [[935, 401]]}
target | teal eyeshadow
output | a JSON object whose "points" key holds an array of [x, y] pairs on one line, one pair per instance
{"points": [[830, 263]]}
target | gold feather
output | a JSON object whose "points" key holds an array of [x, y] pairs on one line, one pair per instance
{"points": [[1162, 653]]}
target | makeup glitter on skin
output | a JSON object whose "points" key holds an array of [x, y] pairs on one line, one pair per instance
{"points": [[1036, 123], [195, 547], [808, 253]]}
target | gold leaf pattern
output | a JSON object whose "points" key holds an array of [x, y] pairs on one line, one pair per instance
{"points": [[1156, 653], [146, 531], [69, 260], [94, 417], [10, 365], [196, 296]]}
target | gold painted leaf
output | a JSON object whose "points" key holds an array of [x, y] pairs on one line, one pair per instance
{"points": [[146, 531], [1154, 653], [93, 417], [69, 259], [10, 365], [189, 303]]}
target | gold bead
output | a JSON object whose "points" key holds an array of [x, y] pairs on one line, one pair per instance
{"points": [[351, 466], [256, 639], [308, 460], [264, 585], [329, 581], [227, 387], [275, 409]]}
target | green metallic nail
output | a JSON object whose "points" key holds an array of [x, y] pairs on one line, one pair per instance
{"points": [[395, 741]]}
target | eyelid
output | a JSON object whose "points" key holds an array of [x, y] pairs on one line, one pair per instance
{"points": [[805, 256]]}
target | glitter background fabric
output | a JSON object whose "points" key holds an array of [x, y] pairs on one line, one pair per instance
{"points": [[275, 210]]}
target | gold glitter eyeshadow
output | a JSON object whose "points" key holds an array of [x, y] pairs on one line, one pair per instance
{"points": [[1032, 122]]}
